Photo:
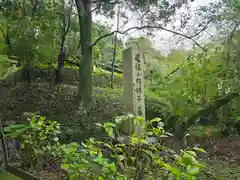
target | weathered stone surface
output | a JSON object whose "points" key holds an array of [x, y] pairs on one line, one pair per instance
{"points": [[133, 94]]}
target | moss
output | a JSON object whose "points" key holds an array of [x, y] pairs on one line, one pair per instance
{"points": [[59, 103]]}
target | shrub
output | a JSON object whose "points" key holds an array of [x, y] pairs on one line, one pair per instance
{"points": [[37, 139], [133, 157]]}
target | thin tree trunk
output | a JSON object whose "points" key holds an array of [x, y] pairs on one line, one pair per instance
{"points": [[85, 89], [59, 70], [61, 59], [114, 50], [62, 54]]}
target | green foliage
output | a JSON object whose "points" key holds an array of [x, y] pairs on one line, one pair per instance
{"points": [[38, 138], [103, 51], [33, 34], [30, 34], [86, 161], [136, 157], [193, 85]]}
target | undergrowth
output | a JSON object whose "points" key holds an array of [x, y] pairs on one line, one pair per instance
{"points": [[133, 157]]}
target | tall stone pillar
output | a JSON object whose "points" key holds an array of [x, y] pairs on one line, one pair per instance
{"points": [[133, 94]]}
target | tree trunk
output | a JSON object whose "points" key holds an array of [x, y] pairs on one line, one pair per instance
{"points": [[59, 70], [62, 54], [26, 72], [85, 89], [61, 59]]}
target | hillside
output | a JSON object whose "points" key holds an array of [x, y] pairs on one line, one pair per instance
{"points": [[58, 102]]}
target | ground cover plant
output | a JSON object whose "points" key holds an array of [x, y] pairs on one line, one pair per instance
{"points": [[132, 158]]}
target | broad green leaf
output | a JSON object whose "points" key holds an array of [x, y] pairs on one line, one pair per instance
{"points": [[163, 136], [188, 158], [22, 145], [100, 178], [82, 166], [175, 170], [107, 145], [98, 124], [109, 130], [150, 133], [120, 119], [160, 124], [200, 150], [168, 134], [156, 120], [193, 169], [92, 153], [155, 131], [139, 120], [192, 153], [65, 166], [121, 157]]}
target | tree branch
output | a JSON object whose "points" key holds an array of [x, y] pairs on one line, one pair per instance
{"points": [[211, 108], [114, 49], [175, 70], [203, 29], [98, 7], [149, 27]]}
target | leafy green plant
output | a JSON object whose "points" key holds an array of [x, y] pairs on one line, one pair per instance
{"points": [[133, 157], [193, 84], [117, 157], [38, 138], [86, 161]]}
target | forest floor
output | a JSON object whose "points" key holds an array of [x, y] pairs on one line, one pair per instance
{"points": [[224, 157]]}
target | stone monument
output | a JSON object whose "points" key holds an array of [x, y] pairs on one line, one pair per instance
{"points": [[133, 66]]}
